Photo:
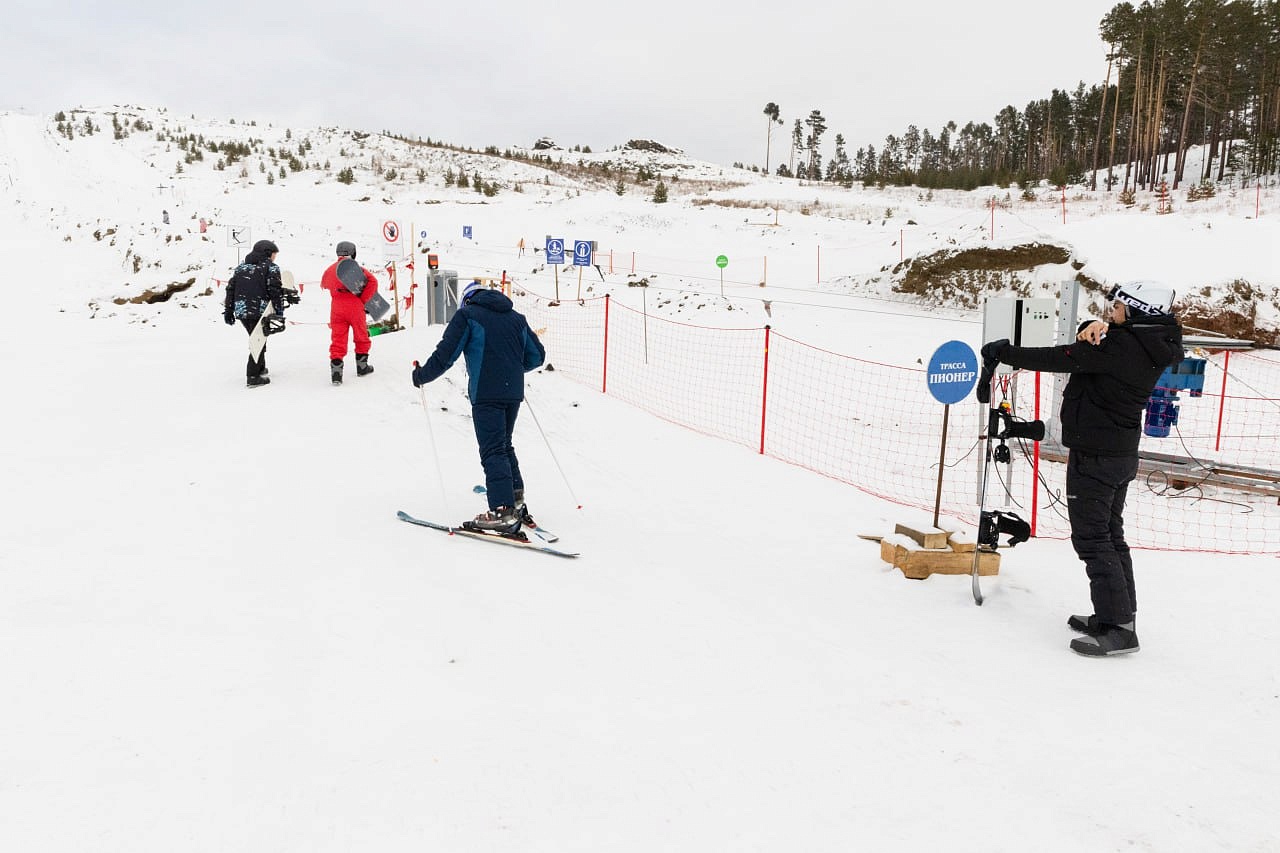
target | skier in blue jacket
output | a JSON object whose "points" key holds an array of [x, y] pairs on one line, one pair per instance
{"points": [[499, 348]]}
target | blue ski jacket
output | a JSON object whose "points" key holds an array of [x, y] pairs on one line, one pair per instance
{"points": [[497, 344]]}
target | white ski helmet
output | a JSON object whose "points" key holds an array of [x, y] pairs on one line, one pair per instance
{"points": [[1144, 298]]}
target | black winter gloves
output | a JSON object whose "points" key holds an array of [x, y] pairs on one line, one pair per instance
{"points": [[995, 350], [228, 318], [417, 383], [991, 354]]}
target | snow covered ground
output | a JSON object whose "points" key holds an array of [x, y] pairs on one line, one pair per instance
{"points": [[218, 636]]}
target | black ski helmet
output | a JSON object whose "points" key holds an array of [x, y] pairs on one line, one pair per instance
{"points": [[346, 248]]}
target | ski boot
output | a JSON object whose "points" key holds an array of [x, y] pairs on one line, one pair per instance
{"points": [[504, 521], [362, 364], [523, 511], [335, 370]]}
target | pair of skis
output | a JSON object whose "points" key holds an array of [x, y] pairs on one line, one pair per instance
{"points": [[486, 536], [542, 536]]}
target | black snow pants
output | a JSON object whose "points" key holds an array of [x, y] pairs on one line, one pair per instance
{"points": [[253, 368], [1096, 490], [494, 424]]}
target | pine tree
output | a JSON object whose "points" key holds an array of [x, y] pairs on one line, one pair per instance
{"points": [[797, 141], [660, 193], [771, 112], [619, 187], [817, 126]]}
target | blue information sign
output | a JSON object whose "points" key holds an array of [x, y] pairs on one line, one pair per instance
{"points": [[582, 253], [466, 232], [952, 373], [555, 250]]}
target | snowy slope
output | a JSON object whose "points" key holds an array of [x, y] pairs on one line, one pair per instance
{"points": [[220, 638]]}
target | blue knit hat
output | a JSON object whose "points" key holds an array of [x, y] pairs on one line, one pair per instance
{"points": [[470, 290]]}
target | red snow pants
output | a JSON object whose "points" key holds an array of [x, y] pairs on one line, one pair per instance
{"points": [[348, 314]]}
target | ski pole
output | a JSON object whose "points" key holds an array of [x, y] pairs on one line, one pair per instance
{"points": [[422, 393], [551, 451]]}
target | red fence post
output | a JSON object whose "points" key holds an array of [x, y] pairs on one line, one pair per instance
{"points": [[1035, 468], [764, 398], [1222, 399], [604, 371]]}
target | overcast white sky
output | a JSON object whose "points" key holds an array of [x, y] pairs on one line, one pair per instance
{"points": [[504, 73]]}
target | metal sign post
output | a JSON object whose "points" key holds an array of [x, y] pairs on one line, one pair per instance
{"points": [[952, 373], [582, 250], [555, 257]]}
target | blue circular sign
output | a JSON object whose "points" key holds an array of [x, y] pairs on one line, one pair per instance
{"points": [[952, 373]]}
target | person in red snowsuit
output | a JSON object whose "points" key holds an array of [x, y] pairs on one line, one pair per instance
{"points": [[347, 313]]}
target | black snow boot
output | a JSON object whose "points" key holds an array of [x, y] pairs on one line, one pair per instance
{"points": [[362, 364], [335, 370], [257, 381], [1086, 624], [1110, 640]]}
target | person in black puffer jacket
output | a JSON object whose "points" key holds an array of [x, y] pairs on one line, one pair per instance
{"points": [[254, 285], [1114, 367]]}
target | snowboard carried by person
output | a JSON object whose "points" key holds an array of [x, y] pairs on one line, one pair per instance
{"points": [[256, 298], [352, 288], [272, 323]]}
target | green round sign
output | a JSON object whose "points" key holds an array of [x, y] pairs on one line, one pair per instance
{"points": [[722, 261]]}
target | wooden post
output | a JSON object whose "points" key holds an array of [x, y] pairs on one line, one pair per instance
{"points": [[413, 275], [942, 462]]}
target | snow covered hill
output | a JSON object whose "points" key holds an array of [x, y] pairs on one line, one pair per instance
{"points": [[218, 636]]}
